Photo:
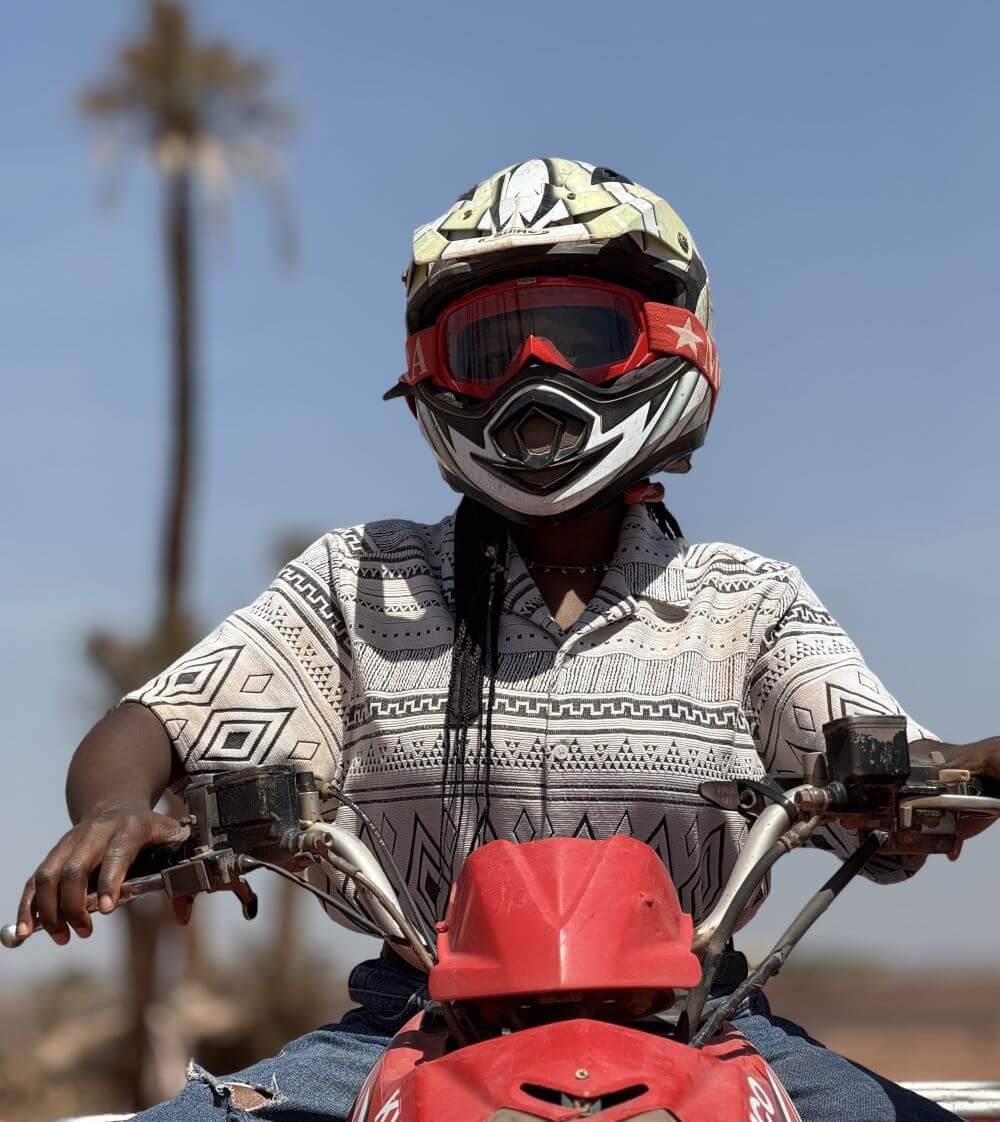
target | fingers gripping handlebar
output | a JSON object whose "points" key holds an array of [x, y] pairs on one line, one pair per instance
{"points": [[266, 817]]}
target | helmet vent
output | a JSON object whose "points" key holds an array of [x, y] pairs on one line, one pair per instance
{"points": [[606, 175]]}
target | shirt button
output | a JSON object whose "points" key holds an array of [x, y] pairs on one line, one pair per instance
{"points": [[561, 750]]}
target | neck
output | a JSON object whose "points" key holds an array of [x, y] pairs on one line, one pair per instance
{"points": [[586, 540]]}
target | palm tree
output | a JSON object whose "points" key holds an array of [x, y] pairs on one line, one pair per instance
{"points": [[206, 118]]}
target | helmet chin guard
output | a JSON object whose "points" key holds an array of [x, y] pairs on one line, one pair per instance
{"points": [[549, 445]]}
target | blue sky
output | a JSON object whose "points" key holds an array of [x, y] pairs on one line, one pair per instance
{"points": [[837, 164]]}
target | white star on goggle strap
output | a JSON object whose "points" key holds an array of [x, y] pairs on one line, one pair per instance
{"points": [[686, 337]]}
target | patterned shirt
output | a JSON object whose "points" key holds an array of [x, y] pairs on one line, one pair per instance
{"points": [[691, 662]]}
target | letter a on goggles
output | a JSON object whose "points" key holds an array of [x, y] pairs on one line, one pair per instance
{"points": [[592, 329]]}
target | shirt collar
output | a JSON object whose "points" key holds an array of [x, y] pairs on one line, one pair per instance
{"points": [[647, 565]]}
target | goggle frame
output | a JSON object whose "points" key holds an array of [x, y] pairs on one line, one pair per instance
{"points": [[661, 329]]}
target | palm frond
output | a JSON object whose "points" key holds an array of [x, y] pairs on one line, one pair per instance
{"points": [[194, 107]]}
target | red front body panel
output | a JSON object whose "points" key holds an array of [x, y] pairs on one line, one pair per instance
{"points": [[725, 1082], [561, 917]]}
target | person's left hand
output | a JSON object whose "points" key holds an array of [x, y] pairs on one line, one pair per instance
{"points": [[982, 758]]}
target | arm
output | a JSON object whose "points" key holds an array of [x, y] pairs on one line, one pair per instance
{"points": [[806, 672], [269, 685], [116, 777]]}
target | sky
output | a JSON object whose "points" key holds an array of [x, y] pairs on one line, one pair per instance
{"points": [[838, 165]]}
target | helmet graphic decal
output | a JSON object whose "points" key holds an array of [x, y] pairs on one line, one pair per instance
{"points": [[524, 200]]}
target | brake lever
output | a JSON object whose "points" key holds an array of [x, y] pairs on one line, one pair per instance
{"points": [[217, 871], [249, 901]]}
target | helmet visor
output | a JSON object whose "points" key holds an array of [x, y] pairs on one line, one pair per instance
{"points": [[594, 328]]}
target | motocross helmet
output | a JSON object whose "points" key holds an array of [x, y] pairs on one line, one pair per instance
{"points": [[560, 343]]}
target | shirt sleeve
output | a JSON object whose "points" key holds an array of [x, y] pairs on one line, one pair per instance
{"points": [[806, 673], [269, 685]]}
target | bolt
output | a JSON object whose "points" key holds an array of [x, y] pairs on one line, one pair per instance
{"points": [[582, 1073]]}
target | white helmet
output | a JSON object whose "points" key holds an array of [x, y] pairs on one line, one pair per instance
{"points": [[560, 347]]}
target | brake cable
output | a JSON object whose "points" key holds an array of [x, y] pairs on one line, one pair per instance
{"points": [[353, 915], [390, 866], [772, 962]]}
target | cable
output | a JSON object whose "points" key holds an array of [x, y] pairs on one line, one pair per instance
{"points": [[389, 863], [424, 954], [355, 918], [791, 839], [815, 906]]}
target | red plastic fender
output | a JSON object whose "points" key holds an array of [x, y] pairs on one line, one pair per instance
{"points": [[380, 1096]]}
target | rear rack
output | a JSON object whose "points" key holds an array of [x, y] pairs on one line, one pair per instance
{"points": [[979, 1101]]}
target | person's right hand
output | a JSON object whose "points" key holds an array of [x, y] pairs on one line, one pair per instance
{"points": [[55, 896]]}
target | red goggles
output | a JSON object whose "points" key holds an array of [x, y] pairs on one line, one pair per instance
{"points": [[589, 328]]}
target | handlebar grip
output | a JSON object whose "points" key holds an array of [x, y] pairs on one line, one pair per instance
{"points": [[990, 786]]}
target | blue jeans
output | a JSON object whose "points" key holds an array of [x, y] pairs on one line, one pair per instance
{"points": [[317, 1077]]}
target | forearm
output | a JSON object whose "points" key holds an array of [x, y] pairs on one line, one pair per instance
{"points": [[126, 757]]}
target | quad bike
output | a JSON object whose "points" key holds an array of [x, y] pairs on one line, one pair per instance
{"points": [[565, 981]]}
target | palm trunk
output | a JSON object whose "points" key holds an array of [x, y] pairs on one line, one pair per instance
{"points": [[145, 925], [146, 929], [178, 228]]}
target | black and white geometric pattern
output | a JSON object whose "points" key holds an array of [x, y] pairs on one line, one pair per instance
{"points": [[691, 663]]}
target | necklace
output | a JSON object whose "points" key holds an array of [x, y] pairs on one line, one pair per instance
{"points": [[543, 567]]}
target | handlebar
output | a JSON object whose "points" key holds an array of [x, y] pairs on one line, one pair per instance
{"points": [[268, 817], [131, 890], [271, 817]]}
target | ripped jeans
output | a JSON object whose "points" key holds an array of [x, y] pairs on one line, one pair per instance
{"points": [[317, 1077]]}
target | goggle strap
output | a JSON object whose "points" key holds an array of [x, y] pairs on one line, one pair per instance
{"points": [[676, 331], [421, 356]]}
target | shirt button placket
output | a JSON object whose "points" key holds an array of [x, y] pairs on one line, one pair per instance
{"points": [[557, 745]]}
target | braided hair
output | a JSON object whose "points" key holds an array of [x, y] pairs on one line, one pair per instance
{"points": [[480, 581], [481, 551]]}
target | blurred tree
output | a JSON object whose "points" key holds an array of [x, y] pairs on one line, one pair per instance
{"points": [[206, 118]]}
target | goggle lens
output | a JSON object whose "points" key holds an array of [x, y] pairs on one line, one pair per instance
{"points": [[593, 328]]}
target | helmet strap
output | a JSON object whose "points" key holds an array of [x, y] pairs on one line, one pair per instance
{"points": [[645, 491]]}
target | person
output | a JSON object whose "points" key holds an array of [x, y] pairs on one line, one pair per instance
{"points": [[553, 659]]}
